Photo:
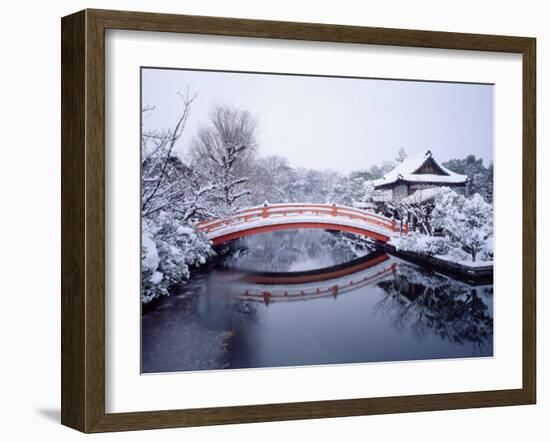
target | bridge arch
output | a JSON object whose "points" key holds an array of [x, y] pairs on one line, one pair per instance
{"points": [[294, 216]]}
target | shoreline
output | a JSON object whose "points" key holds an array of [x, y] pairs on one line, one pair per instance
{"points": [[474, 275]]}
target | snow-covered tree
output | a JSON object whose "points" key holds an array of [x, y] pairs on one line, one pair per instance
{"points": [[480, 177], [347, 189], [401, 156], [223, 152], [368, 191], [466, 221], [171, 195], [374, 172], [166, 182], [157, 147], [271, 178]]}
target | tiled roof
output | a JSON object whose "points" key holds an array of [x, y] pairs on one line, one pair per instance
{"points": [[405, 171]]}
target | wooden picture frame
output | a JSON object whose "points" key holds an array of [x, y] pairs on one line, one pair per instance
{"points": [[83, 220]]}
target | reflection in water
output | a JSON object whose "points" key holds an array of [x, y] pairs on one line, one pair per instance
{"points": [[373, 309], [288, 251], [428, 303], [298, 286]]}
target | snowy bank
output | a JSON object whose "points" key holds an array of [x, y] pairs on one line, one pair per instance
{"points": [[479, 272]]}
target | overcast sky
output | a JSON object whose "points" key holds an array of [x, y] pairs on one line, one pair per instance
{"points": [[333, 123]]}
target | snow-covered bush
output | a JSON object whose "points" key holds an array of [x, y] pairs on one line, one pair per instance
{"points": [[466, 221], [428, 245], [169, 248]]}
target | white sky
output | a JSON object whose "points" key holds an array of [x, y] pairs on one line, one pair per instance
{"points": [[333, 123]]}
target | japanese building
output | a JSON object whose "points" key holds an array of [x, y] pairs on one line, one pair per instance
{"points": [[419, 172]]}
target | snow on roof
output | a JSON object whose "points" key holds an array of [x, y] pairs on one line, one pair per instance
{"points": [[406, 171]]}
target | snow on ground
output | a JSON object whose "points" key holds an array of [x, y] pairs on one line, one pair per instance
{"points": [[437, 247], [466, 263]]}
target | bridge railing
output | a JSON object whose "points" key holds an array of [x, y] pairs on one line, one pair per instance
{"points": [[284, 210]]}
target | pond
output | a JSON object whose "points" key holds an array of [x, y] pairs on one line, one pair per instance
{"points": [[312, 297]]}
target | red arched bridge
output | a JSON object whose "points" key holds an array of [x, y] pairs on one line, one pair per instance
{"points": [[269, 218]]}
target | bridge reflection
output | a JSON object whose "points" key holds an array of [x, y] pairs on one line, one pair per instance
{"points": [[331, 281]]}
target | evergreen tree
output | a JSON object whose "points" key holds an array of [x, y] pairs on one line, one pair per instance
{"points": [[480, 177]]}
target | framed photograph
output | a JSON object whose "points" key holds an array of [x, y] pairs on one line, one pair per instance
{"points": [[271, 220]]}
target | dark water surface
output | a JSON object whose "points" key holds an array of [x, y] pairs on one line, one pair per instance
{"points": [[265, 304]]}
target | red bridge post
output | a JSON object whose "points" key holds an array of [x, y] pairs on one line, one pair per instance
{"points": [[334, 209], [265, 211]]}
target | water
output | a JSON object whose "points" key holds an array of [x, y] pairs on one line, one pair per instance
{"points": [[266, 304]]}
